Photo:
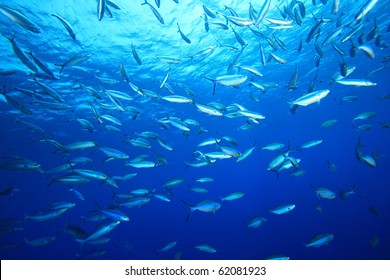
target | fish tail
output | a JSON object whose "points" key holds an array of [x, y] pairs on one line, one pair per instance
{"points": [[53, 180]]}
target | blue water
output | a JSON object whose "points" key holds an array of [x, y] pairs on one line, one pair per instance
{"points": [[157, 223]]}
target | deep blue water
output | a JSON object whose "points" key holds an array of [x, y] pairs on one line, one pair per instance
{"points": [[157, 223]]}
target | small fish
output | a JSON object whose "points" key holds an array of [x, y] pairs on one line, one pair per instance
{"points": [[101, 8], [184, 37], [135, 55], [325, 193], [67, 26], [155, 12], [228, 80], [17, 17], [232, 196], [283, 209], [205, 248], [310, 98], [257, 222], [100, 231], [168, 246], [21, 54], [310, 144], [345, 194], [203, 206], [76, 59], [320, 240]]}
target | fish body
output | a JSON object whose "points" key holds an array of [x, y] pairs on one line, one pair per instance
{"points": [[233, 196], [19, 18], [155, 12], [310, 98], [22, 55], [320, 240], [203, 206], [100, 231], [205, 248], [356, 82], [101, 8], [48, 215], [67, 26], [76, 59], [325, 193], [257, 222], [169, 246], [283, 209]]}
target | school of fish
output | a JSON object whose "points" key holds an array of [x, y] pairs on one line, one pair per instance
{"points": [[131, 113]]}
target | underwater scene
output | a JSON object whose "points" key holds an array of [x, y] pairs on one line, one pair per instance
{"points": [[173, 129]]}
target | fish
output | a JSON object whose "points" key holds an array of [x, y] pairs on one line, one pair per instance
{"points": [[100, 231], [345, 194], [47, 215], [184, 37], [262, 13], [205, 248], [310, 144], [136, 56], [203, 206], [77, 194], [19, 18], [320, 240], [208, 12], [257, 222], [356, 82], [75, 59], [155, 12], [325, 193], [228, 80], [114, 214], [273, 146], [101, 8], [21, 54], [168, 246], [329, 123], [42, 65], [67, 26], [310, 98], [233, 196], [40, 241], [365, 9], [283, 209]]}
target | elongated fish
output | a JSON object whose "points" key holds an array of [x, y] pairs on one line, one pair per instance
{"points": [[283, 209], [100, 231], [155, 12], [205, 248], [41, 64], [135, 55], [21, 55], [19, 18], [310, 98], [263, 12], [67, 26], [228, 80], [203, 206], [365, 9], [184, 37], [257, 222], [168, 246], [320, 240], [101, 8], [356, 82], [76, 59]]}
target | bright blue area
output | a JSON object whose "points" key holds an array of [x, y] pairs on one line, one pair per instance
{"points": [[155, 224]]}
